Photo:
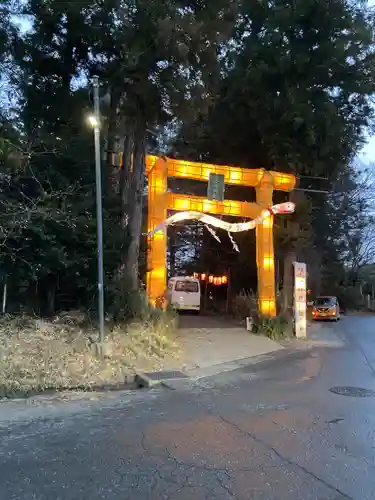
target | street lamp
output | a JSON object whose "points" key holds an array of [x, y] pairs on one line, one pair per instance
{"points": [[94, 121]]}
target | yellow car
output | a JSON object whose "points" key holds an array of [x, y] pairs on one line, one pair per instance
{"points": [[326, 308]]}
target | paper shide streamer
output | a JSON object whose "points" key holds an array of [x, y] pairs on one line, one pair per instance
{"points": [[234, 244], [212, 232]]}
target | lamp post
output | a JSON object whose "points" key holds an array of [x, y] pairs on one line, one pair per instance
{"points": [[95, 123]]}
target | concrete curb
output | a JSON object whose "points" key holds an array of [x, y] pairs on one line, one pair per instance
{"points": [[142, 380], [129, 383], [153, 379], [256, 361], [211, 371]]}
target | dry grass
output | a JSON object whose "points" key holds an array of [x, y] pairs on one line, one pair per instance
{"points": [[37, 355]]}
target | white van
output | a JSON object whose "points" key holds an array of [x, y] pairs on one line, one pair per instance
{"points": [[184, 294]]}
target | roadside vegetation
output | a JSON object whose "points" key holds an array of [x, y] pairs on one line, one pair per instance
{"points": [[60, 353]]}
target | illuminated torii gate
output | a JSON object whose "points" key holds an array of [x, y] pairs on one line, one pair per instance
{"points": [[160, 201]]}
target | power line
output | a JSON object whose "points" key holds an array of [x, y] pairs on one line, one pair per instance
{"points": [[311, 190], [312, 177]]}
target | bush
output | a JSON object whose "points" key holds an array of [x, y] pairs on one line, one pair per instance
{"points": [[125, 303], [245, 305], [350, 298], [275, 328]]}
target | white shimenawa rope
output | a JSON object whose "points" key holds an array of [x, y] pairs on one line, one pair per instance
{"points": [[282, 208]]}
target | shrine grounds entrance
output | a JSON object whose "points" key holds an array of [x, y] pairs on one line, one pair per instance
{"points": [[160, 201]]}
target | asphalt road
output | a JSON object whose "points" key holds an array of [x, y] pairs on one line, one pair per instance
{"points": [[272, 431]]}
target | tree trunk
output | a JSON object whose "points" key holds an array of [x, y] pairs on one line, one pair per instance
{"points": [[131, 188], [48, 295], [51, 298], [111, 170], [126, 178]]}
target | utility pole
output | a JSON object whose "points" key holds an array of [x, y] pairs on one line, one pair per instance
{"points": [[4, 307], [99, 210]]}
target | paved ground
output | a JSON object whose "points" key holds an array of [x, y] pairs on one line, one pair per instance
{"points": [[208, 341], [268, 431], [206, 320]]}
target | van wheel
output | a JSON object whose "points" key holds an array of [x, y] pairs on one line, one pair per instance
{"points": [[196, 313]]}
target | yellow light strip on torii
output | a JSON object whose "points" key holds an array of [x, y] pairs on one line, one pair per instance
{"points": [[201, 171], [227, 207], [232, 175]]}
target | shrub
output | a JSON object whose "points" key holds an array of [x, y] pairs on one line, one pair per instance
{"points": [[245, 304], [274, 328]]}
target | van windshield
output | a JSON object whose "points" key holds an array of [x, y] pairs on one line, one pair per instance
{"points": [[186, 286], [325, 301]]}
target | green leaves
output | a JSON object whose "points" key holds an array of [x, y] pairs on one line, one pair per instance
{"points": [[157, 61], [296, 89]]}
